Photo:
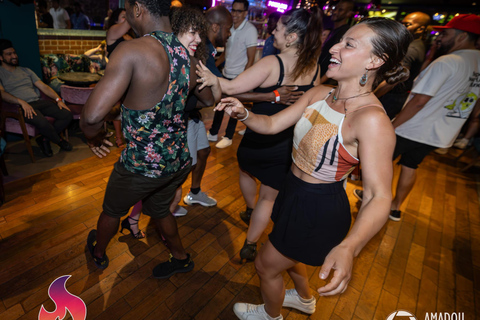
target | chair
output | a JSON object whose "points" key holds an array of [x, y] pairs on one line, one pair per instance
{"points": [[75, 98], [12, 120]]}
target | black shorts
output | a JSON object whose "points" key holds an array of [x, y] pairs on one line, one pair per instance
{"points": [[412, 152], [309, 219], [126, 188]]}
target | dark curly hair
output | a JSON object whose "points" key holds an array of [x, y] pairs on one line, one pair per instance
{"points": [[159, 8], [186, 18]]}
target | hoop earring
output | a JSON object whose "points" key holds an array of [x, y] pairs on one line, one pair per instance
{"points": [[364, 78]]}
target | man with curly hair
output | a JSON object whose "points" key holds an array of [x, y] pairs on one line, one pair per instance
{"points": [[156, 160]]}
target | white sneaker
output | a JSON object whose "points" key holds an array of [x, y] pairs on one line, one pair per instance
{"points": [[212, 137], [179, 212], [247, 311], [461, 143], [200, 198], [225, 142], [242, 132], [441, 151], [292, 300]]}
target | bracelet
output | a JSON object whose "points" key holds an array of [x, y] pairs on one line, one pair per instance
{"points": [[246, 117], [58, 99], [277, 96]]}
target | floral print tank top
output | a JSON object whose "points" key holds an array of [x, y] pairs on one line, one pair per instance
{"points": [[157, 137]]}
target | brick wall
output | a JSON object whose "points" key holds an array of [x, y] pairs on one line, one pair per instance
{"points": [[67, 44]]}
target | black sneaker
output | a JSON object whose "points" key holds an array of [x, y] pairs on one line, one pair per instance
{"points": [[169, 268], [44, 146], [246, 215], [395, 215], [65, 145], [358, 194], [101, 263]]}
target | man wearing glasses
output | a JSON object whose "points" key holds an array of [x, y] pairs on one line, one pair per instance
{"points": [[239, 55]]}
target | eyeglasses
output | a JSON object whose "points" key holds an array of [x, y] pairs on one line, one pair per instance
{"points": [[237, 11]]}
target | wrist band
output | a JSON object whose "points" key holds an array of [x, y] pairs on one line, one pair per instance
{"points": [[277, 96], [246, 117], [58, 99]]}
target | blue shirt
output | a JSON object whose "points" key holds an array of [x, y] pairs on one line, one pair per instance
{"points": [[80, 21], [268, 48], [212, 52]]}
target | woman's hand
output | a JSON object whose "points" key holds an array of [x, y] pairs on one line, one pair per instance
{"points": [[205, 77], [288, 95], [340, 259], [233, 107]]}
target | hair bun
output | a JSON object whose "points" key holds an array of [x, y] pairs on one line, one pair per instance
{"points": [[397, 74]]}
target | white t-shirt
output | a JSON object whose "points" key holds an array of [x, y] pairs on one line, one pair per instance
{"points": [[453, 82], [60, 17], [245, 36]]}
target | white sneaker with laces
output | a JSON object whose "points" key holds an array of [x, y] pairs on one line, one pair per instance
{"points": [[180, 211], [247, 311], [200, 198], [212, 137], [242, 132], [292, 300], [225, 142]]}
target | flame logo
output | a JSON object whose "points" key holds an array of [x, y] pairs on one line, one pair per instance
{"points": [[64, 301]]}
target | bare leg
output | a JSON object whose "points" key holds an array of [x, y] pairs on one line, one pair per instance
{"points": [[167, 227], [298, 273], [107, 227], [176, 199], [134, 217], [270, 264], [199, 169], [261, 214], [248, 186], [406, 181]]}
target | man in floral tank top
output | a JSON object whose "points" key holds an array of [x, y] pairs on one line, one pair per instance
{"points": [[153, 74]]}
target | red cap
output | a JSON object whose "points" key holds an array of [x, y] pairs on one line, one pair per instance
{"points": [[464, 22]]}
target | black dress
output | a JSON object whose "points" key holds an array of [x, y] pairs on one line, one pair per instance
{"points": [[268, 157]]}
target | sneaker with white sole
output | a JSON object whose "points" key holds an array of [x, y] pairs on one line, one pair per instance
{"points": [[358, 194], [247, 311], [200, 198], [461, 143], [441, 150], [293, 300], [225, 142], [242, 132], [212, 137], [179, 212]]}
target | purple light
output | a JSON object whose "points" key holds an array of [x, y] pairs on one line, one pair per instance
{"points": [[281, 7]]}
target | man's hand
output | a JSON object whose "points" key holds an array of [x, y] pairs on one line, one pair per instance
{"points": [[99, 144], [340, 259], [27, 110], [288, 95], [62, 105]]}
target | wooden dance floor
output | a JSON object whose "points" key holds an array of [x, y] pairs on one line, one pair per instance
{"points": [[429, 262]]}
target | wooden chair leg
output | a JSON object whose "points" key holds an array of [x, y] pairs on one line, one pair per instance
{"points": [[27, 139]]}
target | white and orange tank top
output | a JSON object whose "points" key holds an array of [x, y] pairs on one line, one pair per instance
{"points": [[318, 148]]}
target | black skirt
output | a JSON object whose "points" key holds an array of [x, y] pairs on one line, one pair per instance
{"points": [[268, 162], [309, 219]]}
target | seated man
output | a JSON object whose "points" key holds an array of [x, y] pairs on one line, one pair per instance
{"points": [[19, 85]]}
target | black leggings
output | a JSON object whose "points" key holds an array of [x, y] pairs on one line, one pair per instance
{"points": [[49, 108]]}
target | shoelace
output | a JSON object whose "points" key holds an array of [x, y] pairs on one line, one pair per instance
{"points": [[254, 309]]}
